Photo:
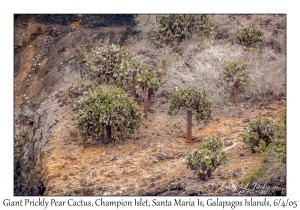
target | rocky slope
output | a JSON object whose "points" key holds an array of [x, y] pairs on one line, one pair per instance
{"points": [[44, 48], [55, 161]]}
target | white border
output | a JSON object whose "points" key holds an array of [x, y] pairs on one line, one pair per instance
{"points": [[154, 6]]}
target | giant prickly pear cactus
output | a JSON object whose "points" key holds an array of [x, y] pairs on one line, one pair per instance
{"points": [[176, 27], [234, 72], [259, 131], [148, 81], [207, 157], [112, 64], [107, 112], [195, 102]]}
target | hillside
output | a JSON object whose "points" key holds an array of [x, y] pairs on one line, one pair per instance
{"points": [[55, 161]]}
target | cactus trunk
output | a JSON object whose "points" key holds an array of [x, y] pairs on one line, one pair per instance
{"points": [[189, 126], [149, 101], [235, 88], [107, 138], [133, 87]]}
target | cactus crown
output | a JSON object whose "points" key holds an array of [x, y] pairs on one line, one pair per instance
{"points": [[234, 72], [112, 64], [107, 106], [175, 28], [148, 79], [207, 157], [195, 101], [259, 131], [248, 35]]}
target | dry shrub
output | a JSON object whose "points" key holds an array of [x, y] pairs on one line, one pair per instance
{"points": [[203, 69], [267, 77], [145, 51], [146, 24]]}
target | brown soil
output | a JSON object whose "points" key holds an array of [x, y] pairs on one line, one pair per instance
{"points": [[134, 167]]}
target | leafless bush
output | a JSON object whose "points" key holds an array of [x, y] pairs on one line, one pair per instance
{"points": [[267, 77], [146, 24], [203, 69], [145, 51]]}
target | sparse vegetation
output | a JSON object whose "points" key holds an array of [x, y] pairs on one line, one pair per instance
{"points": [[248, 35], [107, 112], [195, 102], [207, 157], [234, 72], [19, 142]]}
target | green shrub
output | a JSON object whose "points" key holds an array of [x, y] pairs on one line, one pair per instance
{"points": [[202, 45], [279, 147], [251, 176], [207, 157], [176, 27], [281, 132], [248, 35], [272, 171], [282, 115], [195, 101], [104, 107], [19, 142], [259, 133]]}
